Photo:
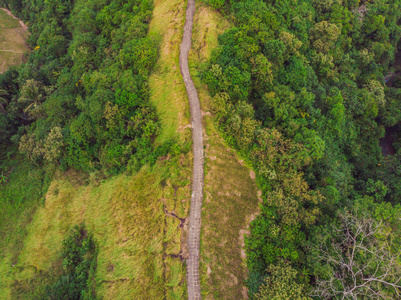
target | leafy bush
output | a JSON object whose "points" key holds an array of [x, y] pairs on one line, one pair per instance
{"points": [[79, 256]]}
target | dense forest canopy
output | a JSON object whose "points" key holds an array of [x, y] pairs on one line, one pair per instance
{"points": [[299, 88], [81, 99]]}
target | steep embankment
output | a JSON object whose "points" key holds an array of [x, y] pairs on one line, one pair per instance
{"points": [[166, 85], [231, 195]]}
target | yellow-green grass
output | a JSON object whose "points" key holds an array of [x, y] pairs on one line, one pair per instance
{"points": [[13, 47], [137, 240], [231, 195], [167, 87]]}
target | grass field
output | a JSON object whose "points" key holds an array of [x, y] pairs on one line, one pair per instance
{"points": [[13, 47], [167, 87], [231, 195], [131, 217]]}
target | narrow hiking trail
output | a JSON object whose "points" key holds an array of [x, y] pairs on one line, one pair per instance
{"points": [[12, 51], [198, 176]]}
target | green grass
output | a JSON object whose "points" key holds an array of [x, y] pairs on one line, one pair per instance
{"points": [[7, 21], [126, 216], [229, 204], [20, 196], [21, 189], [167, 87]]}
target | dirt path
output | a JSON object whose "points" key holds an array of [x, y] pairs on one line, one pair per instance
{"points": [[12, 51], [198, 176]]}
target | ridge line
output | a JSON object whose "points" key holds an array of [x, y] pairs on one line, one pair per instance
{"points": [[193, 282]]}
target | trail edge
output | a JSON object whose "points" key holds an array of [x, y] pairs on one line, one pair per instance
{"points": [[194, 292]]}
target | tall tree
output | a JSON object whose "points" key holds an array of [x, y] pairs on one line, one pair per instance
{"points": [[358, 256], [32, 94]]}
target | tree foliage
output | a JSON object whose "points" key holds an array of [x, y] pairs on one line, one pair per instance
{"points": [[358, 255], [299, 89], [280, 284], [82, 99], [79, 257]]}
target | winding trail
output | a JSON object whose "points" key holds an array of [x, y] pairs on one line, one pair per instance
{"points": [[197, 179]]}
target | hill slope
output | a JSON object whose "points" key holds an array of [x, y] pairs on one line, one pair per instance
{"points": [[231, 194], [140, 221]]}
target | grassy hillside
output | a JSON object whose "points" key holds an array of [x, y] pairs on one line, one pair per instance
{"points": [[13, 45], [168, 93], [131, 218], [139, 221], [231, 199]]}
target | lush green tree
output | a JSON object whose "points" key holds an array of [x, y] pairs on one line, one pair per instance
{"points": [[84, 98], [32, 95], [280, 284], [323, 36], [79, 255]]}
